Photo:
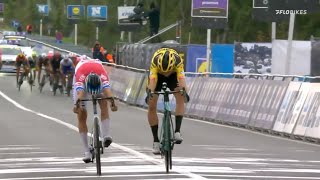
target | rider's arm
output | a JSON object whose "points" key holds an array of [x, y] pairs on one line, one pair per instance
{"points": [[181, 77], [61, 68], [153, 78]]}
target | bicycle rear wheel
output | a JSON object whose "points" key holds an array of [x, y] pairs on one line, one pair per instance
{"points": [[97, 145]]}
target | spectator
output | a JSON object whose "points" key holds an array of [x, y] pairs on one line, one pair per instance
{"points": [[29, 28], [154, 17], [59, 37], [19, 28], [97, 52], [138, 15]]}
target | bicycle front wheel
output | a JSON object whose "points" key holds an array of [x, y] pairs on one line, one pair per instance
{"points": [[167, 141], [97, 145]]}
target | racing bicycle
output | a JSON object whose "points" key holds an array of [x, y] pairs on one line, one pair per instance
{"points": [[167, 133], [95, 142], [23, 76]]}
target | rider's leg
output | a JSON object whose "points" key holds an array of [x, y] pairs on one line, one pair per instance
{"points": [[179, 115], [153, 122], [26, 72], [39, 73], [105, 120], [82, 123], [18, 74]]}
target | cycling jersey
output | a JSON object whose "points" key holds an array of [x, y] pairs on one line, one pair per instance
{"points": [[84, 68], [154, 70], [21, 61], [66, 66], [55, 63], [67, 63]]}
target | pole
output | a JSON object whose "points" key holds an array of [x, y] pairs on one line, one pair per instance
{"points": [[76, 34], [289, 47], [130, 37], [122, 32], [40, 27], [97, 33], [274, 31], [208, 49]]}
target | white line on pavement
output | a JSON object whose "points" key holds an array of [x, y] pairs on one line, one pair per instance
{"points": [[158, 162]]}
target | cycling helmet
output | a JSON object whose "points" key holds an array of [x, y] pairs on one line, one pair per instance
{"points": [[21, 55], [34, 54], [166, 59], [43, 55], [93, 84]]}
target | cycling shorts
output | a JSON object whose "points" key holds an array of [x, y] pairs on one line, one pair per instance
{"points": [[171, 81], [67, 69]]}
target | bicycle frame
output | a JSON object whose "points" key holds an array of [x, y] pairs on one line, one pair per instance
{"points": [[95, 136], [167, 133]]}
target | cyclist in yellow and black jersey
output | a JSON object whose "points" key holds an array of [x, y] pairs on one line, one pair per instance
{"points": [[166, 66]]}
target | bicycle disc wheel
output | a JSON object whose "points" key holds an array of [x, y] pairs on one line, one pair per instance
{"points": [[97, 145]]}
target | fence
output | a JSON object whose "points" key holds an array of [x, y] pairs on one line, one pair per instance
{"points": [[285, 105]]}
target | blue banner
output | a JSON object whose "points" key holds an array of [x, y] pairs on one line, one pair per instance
{"points": [[196, 58], [222, 58], [75, 11], [43, 9], [97, 13]]}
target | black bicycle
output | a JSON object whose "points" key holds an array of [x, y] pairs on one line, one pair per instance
{"points": [[22, 77], [167, 133], [95, 143]]}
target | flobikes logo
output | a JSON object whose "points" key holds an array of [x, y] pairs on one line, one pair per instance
{"points": [[286, 12]]}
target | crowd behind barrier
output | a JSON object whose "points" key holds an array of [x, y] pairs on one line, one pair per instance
{"points": [[279, 104]]}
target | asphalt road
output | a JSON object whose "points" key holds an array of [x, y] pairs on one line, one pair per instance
{"points": [[39, 140]]}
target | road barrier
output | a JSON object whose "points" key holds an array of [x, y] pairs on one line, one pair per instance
{"points": [[285, 105]]}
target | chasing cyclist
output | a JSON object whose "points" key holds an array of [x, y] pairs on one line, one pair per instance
{"points": [[55, 69], [43, 61], [166, 66], [91, 78], [66, 68], [21, 59]]}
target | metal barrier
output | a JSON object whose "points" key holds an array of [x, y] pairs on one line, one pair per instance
{"points": [[278, 104]]}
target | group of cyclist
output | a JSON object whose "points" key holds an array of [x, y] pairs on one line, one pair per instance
{"points": [[91, 78], [55, 65]]}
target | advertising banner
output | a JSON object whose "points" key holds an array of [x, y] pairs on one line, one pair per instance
{"points": [[196, 59], [268, 104], [252, 58], [97, 13], [286, 108], [43, 9], [307, 117], [302, 96], [75, 11], [222, 58], [209, 8], [300, 61], [123, 14], [313, 123]]}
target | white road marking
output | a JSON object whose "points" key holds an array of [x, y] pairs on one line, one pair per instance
{"points": [[98, 177], [20, 153], [259, 177], [158, 162], [18, 148]]}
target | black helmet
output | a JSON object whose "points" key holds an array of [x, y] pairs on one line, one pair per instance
{"points": [[93, 84]]}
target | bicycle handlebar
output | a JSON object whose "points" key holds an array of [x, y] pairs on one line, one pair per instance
{"points": [[168, 92], [98, 98]]}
